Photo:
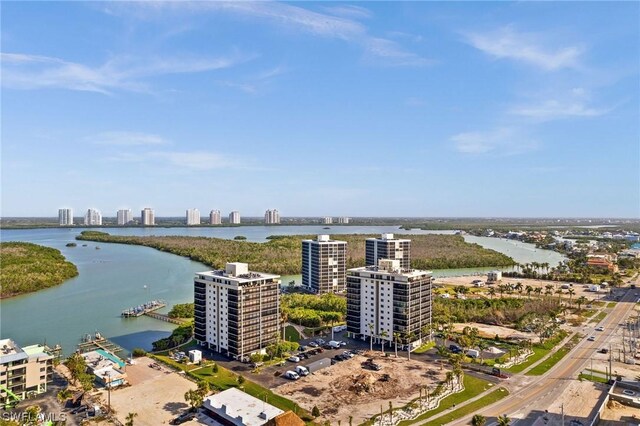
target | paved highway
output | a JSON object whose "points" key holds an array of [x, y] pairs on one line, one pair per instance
{"points": [[538, 393]]}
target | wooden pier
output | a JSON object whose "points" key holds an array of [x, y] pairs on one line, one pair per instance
{"points": [[89, 344], [144, 309], [167, 318]]}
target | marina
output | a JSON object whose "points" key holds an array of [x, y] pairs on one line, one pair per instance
{"points": [[143, 309], [97, 341]]}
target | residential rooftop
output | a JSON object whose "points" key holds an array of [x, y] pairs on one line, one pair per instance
{"points": [[240, 408]]}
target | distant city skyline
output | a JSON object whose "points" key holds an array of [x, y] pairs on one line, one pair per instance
{"points": [[386, 109]]}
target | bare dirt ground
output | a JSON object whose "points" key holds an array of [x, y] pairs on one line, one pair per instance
{"points": [[616, 414], [580, 289], [156, 395], [489, 331], [337, 390]]}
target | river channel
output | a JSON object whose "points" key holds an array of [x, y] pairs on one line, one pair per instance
{"points": [[114, 277]]}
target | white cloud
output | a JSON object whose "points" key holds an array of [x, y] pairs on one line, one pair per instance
{"points": [[24, 71], [291, 17], [349, 11], [127, 139], [507, 43], [195, 160], [556, 109], [504, 141]]}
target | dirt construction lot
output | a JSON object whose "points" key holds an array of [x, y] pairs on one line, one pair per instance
{"points": [[156, 395], [337, 389]]}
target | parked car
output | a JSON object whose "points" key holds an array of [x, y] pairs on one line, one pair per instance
{"points": [[348, 354], [338, 357], [80, 409], [302, 371], [184, 417], [320, 341], [604, 351], [313, 344], [473, 353], [369, 364], [303, 356], [293, 358], [302, 348], [291, 375], [333, 344], [455, 349]]}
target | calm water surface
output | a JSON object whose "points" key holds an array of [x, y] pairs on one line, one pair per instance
{"points": [[113, 278]]}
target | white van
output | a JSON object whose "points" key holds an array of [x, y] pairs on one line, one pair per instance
{"points": [[334, 344], [291, 375], [473, 353], [302, 371]]}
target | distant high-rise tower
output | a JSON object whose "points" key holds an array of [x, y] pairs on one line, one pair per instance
{"points": [[65, 217], [327, 220], [147, 217], [324, 265], [93, 218], [215, 218], [272, 217], [343, 220], [125, 216], [388, 247], [234, 217], [193, 217]]}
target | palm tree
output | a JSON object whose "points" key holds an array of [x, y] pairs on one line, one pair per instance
{"points": [[371, 336], [478, 420], [383, 337], [559, 293], [396, 337], [571, 293], [528, 289], [129, 419], [580, 301], [449, 378], [538, 291], [492, 292], [518, 287], [503, 420], [411, 336]]}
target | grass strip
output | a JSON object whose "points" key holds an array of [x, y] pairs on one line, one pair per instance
{"points": [[422, 349], [548, 363], [592, 378], [291, 334], [539, 352], [472, 387], [473, 407], [599, 317]]}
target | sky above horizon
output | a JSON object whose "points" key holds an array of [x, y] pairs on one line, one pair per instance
{"points": [[420, 109]]}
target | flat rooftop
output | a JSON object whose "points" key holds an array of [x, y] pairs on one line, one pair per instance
{"points": [[241, 408], [37, 351], [10, 351], [242, 278], [409, 273]]}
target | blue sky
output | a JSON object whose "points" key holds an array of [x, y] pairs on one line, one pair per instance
{"points": [[322, 108]]}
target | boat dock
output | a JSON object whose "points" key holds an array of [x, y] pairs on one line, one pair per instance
{"points": [[143, 309], [167, 318], [91, 343]]}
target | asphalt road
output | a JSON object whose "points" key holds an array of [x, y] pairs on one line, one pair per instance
{"points": [[538, 393]]}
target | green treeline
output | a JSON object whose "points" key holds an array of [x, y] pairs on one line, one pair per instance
{"points": [[182, 310], [27, 267], [281, 254], [311, 310]]}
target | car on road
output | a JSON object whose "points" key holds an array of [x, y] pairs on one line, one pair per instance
{"points": [[604, 351], [184, 417], [293, 358], [600, 328], [291, 375], [591, 338]]}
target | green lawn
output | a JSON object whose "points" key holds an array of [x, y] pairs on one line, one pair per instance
{"points": [[596, 379], [471, 408], [422, 349], [291, 334], [225, 379], [611, 305], [472, 388], [599, 317], [548, 363], [539, 352]]}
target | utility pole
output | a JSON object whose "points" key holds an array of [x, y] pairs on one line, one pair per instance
{"points": [[610, 356], [562, 409]]}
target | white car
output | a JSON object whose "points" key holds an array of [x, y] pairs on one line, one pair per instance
{"points": [[302, 371], [591, 338], [291, 375], [294, 358], [600, 328]]}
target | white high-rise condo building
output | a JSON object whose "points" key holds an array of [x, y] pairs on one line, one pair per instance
{"points": [[193, 217], [327, 220], [324, 265], [215, 218], [234, 217], [124, 216], [343, 220], [65, 217], [387, 299], [388, 247], [147, 217], [272, 217], [93, 218], [237, 311]]}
